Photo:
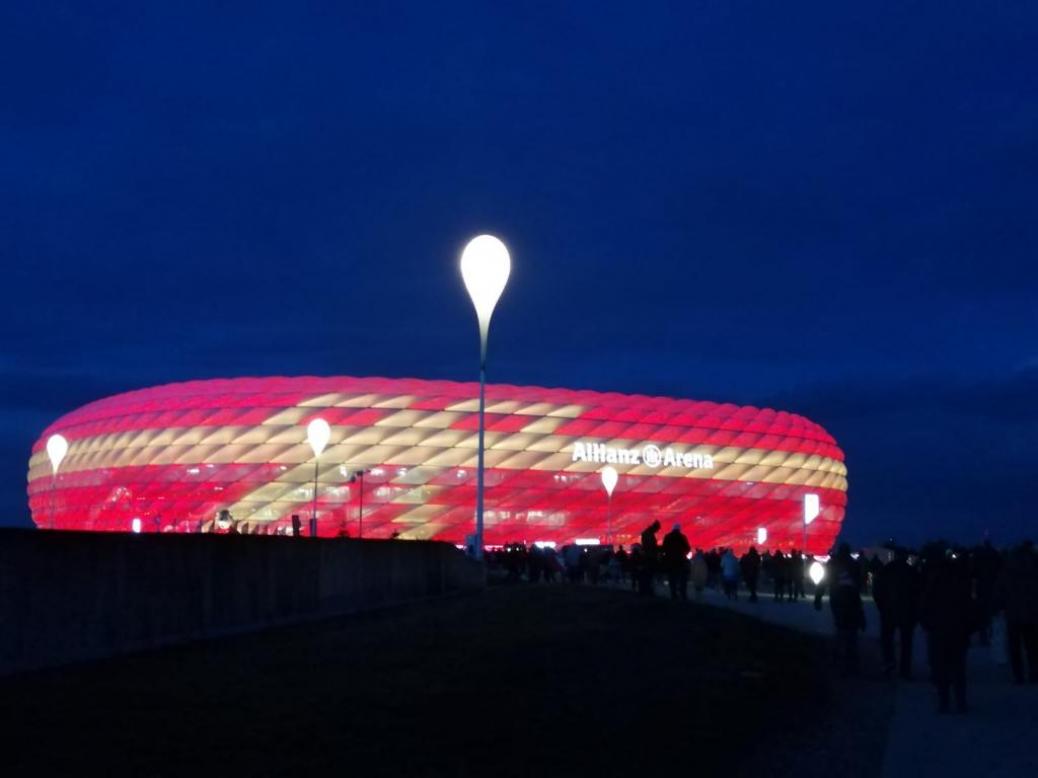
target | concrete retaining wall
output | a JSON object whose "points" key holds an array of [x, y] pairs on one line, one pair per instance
{"points": [[69, 596]]}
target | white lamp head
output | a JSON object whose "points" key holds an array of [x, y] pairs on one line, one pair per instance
{"points": [[57, 447], [817, 572], [609, 479], [485, 266], [762, 535], [318, 433], [135, 526], [811, 508]]}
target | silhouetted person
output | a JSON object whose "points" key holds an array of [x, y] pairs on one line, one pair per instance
{"points": [[650, 559], [623, 561], [796, 575], [297, 526], [1018, 596], [713, 567], [750, 567], [700, 573], [987, 566], [842, 580], [895, 588], [946, 612], [730, 575], [675, 561], [635, 563], [572, 556], [872, 568], [550, 564], [779, 574]]}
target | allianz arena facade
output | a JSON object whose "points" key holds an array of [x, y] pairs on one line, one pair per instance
{"points": [[174, 456]]}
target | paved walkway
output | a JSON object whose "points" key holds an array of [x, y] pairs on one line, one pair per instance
{"points": [[998, 737]]}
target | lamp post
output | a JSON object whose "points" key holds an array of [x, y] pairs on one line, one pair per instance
{"points": [[359, 476], [811, 511], [609, 479], [485, 266], [57, 447], [317, 435]]}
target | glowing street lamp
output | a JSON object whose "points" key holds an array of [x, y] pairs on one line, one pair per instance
{"points": [[816, 572], [762, 535], [812, 507], [358, 478], [57, 448], [609, 479], [485, 266], [318, 433]]}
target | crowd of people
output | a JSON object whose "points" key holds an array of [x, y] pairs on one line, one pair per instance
{"points": [[955, 595], [671, 559]]}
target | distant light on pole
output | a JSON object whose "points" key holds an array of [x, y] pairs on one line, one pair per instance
{"points": [[358, 476], [762, 535], [609, 479], [485, 267], [817, 572], [318, 433], [57, 448]]}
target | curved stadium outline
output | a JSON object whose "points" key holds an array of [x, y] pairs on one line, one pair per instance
{"points": [[173, 456]]}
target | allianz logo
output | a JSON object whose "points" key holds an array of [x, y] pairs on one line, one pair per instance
{"points": [[649, 455]]}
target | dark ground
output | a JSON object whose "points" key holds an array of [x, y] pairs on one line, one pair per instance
{"points": [[515, 681]]}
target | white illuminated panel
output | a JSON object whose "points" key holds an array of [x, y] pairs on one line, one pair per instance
{"points": [[812, 507]]}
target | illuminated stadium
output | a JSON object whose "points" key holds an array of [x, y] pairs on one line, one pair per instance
{"points": [[171, 458]]}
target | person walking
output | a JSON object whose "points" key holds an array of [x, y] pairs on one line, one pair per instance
{"points": [[700, 573], [1017, 594], [796, 575], [946, 613], [623, 563], [895, 588], [749, 565], [649, 561], [635, 565], [675, 561], [730, 575], [779, 574], [842, 580]]}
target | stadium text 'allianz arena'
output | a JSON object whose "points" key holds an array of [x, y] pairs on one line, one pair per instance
{"points": [[174, 456]]}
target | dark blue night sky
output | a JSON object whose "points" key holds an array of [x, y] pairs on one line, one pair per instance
{"points": [[828, 208]]}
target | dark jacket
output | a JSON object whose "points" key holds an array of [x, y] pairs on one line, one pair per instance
{"points": [[650, 546], [843, 582], [675, 550], [1017, 589], [750, 566], [946, 609], [896, 591]]}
